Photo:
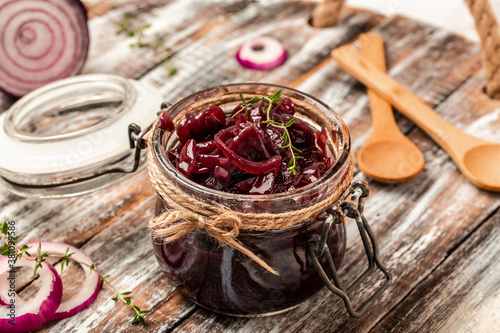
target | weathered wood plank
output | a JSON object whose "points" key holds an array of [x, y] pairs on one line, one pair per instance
{"points": [[179, 23], [211, 61], [462, 295], [74, 220], [96, 8]]}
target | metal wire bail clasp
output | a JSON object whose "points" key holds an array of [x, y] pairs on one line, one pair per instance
{"points": [[137, 142], [317, 247]]}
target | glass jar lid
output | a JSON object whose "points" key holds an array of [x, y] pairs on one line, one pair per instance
{"points": [[57, 140]]}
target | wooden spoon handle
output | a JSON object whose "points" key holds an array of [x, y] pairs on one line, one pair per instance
{"points": [[371, 45], [446, 135]]}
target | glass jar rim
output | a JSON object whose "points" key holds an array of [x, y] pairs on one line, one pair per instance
{"points": [[335, 171], [26, 106]]}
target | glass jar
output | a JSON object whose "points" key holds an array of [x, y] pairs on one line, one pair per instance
{"points": [[224, 280], [57, 140]]}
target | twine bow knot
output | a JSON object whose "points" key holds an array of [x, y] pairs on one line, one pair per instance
{"points": [[224, 226]]}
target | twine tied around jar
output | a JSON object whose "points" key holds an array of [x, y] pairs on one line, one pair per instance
{"points": [[187, 213]]}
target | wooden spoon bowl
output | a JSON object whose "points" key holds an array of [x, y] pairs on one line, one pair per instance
{"points": [[481, 165], [388, 156], [391, 162]]}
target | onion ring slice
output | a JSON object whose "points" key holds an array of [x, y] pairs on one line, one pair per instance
{"points": [[244, 164], [88, 291], [41, 41], [262, 53], [38, 310]]}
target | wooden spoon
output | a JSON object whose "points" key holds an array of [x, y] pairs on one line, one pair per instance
{"points": [[478, 159], [388, 156]]}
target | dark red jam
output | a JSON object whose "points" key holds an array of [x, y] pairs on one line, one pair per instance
{"points": [[223, 280], [260, 148]]}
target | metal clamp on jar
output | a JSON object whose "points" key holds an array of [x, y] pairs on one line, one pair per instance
{"points": [[317, 247]]}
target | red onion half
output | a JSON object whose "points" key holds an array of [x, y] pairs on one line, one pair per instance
{"points": [[40, 41], [89, 289], [262, 53], [40, 308]]}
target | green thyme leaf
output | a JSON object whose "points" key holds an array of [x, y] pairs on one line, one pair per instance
{"points": [[276, 96], [241, 97], [5, 228], [127, 28], [290, 122], [254, 100], [102, 280], [37, 266], [172, 70], [5, 250]]}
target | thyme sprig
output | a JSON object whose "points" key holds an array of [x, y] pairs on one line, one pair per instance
{"points": [[39, 258], [157, 45], [287, 142]]}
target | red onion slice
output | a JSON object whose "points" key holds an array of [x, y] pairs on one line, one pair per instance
{"points": [[39, 309], [262, 53], [88, 291], [40, 41], [244, 164]]}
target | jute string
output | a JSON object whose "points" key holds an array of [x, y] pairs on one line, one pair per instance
{"points": [[327, 13], [487, 28], [187, 213]]}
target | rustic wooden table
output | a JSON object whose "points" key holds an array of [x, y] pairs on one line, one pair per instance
{"points": [[438, 234]]}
